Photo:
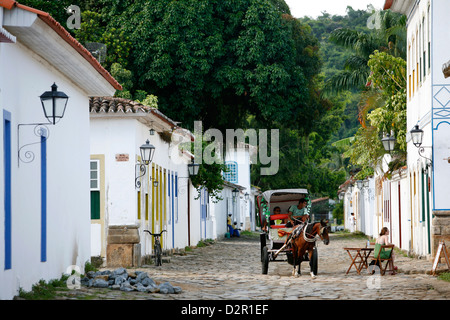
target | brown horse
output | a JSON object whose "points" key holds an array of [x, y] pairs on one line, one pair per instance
{"points": [[306, 242]]}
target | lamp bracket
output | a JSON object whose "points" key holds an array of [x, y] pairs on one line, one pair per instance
{"points": [[421, 151], [141, 169], [40, 130]]}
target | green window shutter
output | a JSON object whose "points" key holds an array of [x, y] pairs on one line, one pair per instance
{"points": [[95, 204]]}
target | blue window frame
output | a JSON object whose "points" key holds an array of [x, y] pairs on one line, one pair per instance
{"points": [[232, 174], [176, 197], [44, 197], [7, 185]]}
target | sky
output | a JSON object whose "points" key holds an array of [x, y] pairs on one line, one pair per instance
{"points": [[314, 8]]}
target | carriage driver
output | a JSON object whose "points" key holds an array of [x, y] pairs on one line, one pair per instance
{"points": [[297, 213]]}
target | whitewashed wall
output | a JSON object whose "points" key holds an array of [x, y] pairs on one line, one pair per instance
{"points": [[116, 134], [23, 78], [428, 107], [241, 156]]}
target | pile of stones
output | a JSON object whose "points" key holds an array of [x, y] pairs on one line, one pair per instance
{"points": [[121, 279]]}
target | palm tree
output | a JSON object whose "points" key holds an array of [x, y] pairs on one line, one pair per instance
{"points": [[390, 37]]}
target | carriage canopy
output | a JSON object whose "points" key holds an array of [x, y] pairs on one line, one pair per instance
{"points": [[283, 198]]}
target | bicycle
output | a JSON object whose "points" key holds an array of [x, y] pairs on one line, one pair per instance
{"points": [[157, 247]]}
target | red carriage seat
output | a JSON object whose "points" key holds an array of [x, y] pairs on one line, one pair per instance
{"points": [[278, 217]]}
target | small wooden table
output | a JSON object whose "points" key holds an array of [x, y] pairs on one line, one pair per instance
{"points": [[360, 257]]}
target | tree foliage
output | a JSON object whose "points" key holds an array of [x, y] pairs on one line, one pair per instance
{"points": [[388, 37], [387, 103], [208, 60]]}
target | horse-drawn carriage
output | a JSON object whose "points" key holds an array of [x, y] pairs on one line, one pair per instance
{"points": [[276, 230]]}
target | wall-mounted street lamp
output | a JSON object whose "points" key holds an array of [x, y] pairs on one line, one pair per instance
{"points": [[350, 195], [366, 187], [193, 171], [54, 104], [417, 139], [366, 183], [152, 131], [147, 151], [235, 193], [416, 136], [350, 188], [388, 142], [359, 184], [193, 168]]}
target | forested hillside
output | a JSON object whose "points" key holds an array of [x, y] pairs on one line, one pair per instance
{"points": [[334, 58]]}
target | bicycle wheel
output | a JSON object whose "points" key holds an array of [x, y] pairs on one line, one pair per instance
{"points": [[158, 260]]}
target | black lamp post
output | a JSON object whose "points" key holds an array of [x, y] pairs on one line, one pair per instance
{"points": [[417, 139], [389, 143], [416, 136], [152, 131], [54, 104], [193, 168], [235, 193], [359, 184], [147, 153]]}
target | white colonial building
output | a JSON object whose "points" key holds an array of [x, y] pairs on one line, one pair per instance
{"points": [[125, 200], [414, 203], [428, 109], [238, 162], [44, 167]]}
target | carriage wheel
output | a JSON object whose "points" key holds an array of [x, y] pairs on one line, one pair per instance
{"points": [[265, 261], [262, 239], [314, 263]]}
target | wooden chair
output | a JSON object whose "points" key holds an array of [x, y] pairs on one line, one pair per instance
{"points": [[379, 261]]}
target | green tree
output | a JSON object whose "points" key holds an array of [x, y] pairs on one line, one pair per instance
{"points": [[220, 60], [94, 28], [386, 99], [388, 38]]}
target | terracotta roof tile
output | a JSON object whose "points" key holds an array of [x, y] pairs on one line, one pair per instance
{"points": [[107, 105], [7, 4], [66, 36], [112, 104], [388, 4]]}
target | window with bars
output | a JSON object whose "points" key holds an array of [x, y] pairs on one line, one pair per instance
{"points": [[231, 175]]}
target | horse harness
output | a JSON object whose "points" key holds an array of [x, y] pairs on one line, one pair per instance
{"points": [[306, 230]]}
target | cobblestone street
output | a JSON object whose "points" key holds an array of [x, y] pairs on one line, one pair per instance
{"points": [[230, 269]]}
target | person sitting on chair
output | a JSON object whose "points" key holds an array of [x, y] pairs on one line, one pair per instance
{"points": [[235, 230], [383, 240], [297, 213]]}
